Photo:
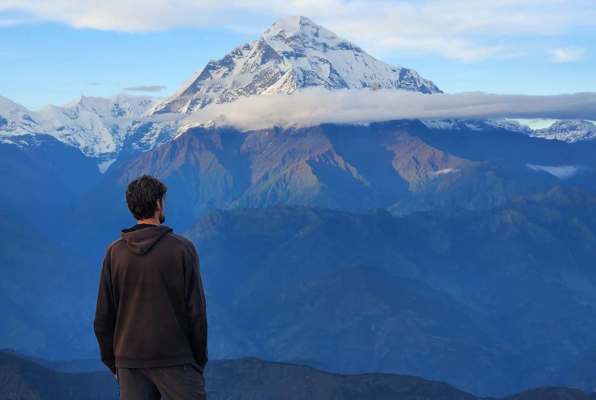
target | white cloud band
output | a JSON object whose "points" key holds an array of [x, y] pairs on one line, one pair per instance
{"points": [[315, 106]]}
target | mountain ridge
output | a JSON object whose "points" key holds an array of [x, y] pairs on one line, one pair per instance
{"points": [[249, 378]]}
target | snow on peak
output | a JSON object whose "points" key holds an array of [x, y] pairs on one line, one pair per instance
{"points": [[565, 130], [7, 105], [287, 28], [455, 124], [293, 54], [16, 119], [568, 131], [98, 126]]}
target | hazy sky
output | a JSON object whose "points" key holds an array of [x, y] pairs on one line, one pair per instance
{"points": [[55, 51]]}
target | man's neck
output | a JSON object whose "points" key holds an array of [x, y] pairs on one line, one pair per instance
{"points": [[150, 221]]}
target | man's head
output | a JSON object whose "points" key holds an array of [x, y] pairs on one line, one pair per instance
{"points": [[145, 198]]}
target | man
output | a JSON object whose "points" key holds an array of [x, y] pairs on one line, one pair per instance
{"points": [[150, 321]]}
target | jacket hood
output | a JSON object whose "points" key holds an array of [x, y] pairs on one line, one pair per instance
{"points": [[140, 241]]}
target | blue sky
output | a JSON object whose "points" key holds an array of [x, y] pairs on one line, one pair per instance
{"points": [[54, 52]]}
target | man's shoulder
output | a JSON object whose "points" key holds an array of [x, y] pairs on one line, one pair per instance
{"points": [[113, 244], [181, 240]]}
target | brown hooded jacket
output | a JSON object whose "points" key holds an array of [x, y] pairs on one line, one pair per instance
{"points": [[151, 309]]}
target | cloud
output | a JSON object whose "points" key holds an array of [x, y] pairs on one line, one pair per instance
{"points": [[13, 18], [9, 22], [567, 55], [316, 106], [146, 88], [558, 171], [457, 29]]}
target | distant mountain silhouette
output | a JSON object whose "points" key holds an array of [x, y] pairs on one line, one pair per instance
{"points": [[23, 379], [46, 292], [426, 294], [247, 378], [43, 178]]}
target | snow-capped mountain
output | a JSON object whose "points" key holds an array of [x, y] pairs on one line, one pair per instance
{"points": [[294, 53], [455, 124], [568, 131], [97, 126], [15, 119], [565, 130]]}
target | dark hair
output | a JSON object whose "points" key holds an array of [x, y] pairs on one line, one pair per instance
{"points": [[142, 195]]}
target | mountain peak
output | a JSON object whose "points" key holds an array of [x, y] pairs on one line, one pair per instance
{"points": [[290, 26], [295, 34], [292, 54], [7, 105], [15, 119], [298, 26]]}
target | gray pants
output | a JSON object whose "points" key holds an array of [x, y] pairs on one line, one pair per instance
{"points": [[177, 382]]}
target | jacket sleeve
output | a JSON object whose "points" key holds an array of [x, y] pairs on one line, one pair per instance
{"points": [[196, 307], [105, 315]]}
